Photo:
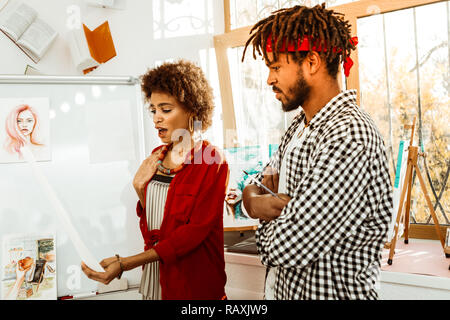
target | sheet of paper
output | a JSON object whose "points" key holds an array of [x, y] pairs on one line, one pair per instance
{"points": [[85, 255]]}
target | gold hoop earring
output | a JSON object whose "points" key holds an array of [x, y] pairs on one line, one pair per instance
{"points": [[191, 124]]}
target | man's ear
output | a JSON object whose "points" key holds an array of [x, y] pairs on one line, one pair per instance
{"points": [[313, 62]]}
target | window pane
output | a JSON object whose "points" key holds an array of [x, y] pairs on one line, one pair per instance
{"points": [[242, 12], [248, 12], [208, 64], [372, 73], [433, 56], [182, 18], [259, 117], [404, 73]]}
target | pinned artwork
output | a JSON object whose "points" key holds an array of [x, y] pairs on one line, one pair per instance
{"points": [[24, 122], [28, 267], [240, 159]]}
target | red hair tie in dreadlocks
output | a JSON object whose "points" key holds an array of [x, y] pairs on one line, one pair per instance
{"points": [[303, 44]]}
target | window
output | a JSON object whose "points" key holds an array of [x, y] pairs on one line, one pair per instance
{"points": [[188, 24], [253, 101], [403, 63], [404, 72], [174, 19], [246, 12]]}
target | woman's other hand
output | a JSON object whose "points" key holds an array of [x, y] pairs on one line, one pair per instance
{"points": [[112, 270]]}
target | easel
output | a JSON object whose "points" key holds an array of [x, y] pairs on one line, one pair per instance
{"points": [[413, 154]]}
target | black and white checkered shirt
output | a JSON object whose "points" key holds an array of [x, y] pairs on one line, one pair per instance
{"points": [[327, 242]]}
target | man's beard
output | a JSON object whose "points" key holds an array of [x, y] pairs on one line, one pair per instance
{"points": [[300, 93]]}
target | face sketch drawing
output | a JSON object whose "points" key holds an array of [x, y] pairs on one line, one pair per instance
{"points": [[22, 126], [26, 122]]}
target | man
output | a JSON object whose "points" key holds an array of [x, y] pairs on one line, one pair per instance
{"points": [[324, 238]]}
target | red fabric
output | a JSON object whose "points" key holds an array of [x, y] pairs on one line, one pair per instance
{"points": [[190, 240], [306, 42]]}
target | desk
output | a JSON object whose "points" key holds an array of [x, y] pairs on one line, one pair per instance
{"points": [[245, 281], [245, 276]]}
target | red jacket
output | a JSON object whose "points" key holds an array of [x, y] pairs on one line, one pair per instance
{"points": [[190, 241]]}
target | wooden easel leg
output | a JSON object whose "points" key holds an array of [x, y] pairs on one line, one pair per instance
{"points": [[399, 213], [407, 209], [430, 207]]}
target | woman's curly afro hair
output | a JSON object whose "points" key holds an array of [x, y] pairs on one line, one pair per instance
{"points": [[186, 82]]}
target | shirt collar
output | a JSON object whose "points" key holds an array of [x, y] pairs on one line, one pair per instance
{"points": [[343, 98]]}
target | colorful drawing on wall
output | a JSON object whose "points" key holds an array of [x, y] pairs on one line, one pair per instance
{"points": [[24, 121], [28, 267], [250, 159], [247, 158]]}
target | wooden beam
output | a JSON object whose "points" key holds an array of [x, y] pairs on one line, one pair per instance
{"points": [[353, 80], [235, 38], [226, 95], [227, 15], [365, 8]]}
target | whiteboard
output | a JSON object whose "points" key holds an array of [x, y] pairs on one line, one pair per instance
{"points": [[97, 143]]}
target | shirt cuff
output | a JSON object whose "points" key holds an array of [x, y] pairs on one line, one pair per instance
{"points": [[165, 251], [139, 209]]}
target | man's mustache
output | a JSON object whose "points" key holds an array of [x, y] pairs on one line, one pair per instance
{"points": [[276, 89]]}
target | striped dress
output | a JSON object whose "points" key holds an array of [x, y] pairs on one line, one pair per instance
{"points": [[157, 191]]}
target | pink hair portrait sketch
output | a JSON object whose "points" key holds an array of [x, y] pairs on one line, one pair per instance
{"points": [[25, 122]]}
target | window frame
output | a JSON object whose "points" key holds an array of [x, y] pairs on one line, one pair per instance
{"points": [[237, 37]]}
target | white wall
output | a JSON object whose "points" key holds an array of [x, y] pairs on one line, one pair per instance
{"points": [[147, 32]]}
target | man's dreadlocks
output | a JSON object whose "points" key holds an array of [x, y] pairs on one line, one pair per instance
{"points": [[291, 24]]}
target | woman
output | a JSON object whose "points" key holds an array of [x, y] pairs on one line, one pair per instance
{"points": [[181, 188], [20, 129]]}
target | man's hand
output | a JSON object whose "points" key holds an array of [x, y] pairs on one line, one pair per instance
{"points": [[263, 206], [270, 179]]}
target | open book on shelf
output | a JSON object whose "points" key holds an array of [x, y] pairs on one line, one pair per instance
{"points": [[91, 48], [20, 23]]}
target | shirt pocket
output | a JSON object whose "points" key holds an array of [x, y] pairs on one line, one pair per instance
{"points": [[184, 199]]}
